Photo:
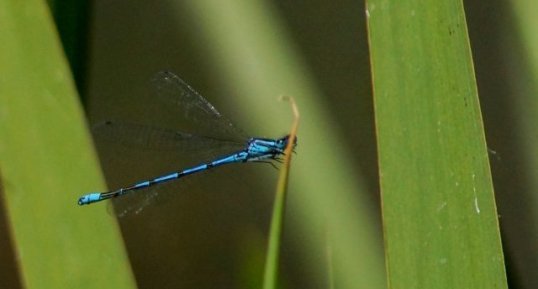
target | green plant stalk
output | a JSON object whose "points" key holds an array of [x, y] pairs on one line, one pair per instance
{"points": [[439, 214], [275, 234]]}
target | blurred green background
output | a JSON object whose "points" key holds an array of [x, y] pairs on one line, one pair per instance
{"points": [[241, 55]]}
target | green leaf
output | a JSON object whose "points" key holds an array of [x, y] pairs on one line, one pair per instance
{"points": [[47, 162], [439, 214]]}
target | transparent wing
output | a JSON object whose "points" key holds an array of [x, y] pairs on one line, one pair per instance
{"points": [[144, 137], [153, 198], [153, 152], [132, 207], [208, 120]]}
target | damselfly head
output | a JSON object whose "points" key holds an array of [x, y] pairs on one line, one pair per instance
{"points": [[283, 142]]}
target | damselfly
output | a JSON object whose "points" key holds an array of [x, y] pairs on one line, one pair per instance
{"points": [[197, 108]]}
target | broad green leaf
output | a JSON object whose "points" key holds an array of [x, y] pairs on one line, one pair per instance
{"points": [[47, 162], [439, 214]]}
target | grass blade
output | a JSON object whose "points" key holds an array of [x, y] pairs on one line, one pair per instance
{"points": [[47, 162], [275, 234], [440, 219]]}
